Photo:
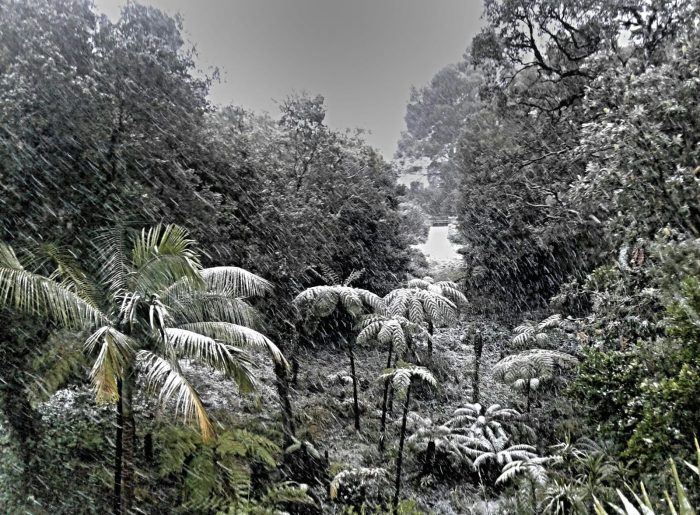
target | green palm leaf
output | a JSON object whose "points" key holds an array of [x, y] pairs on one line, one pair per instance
{"points": [[232, 361], [115, 353], [231, 279], [239, 336], [38, 295], [167, 380], [161, 256]]}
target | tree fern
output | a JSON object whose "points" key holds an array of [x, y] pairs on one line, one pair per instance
{"points": [[422, 306], [535, 331], [350, 482], [321, 301], [401, 379], [447, 289], [528, 370]]}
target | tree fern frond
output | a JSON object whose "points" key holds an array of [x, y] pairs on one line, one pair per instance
{"points": [[358, 476], [170, 384], [354, 276], [551, 321], [369, 332], [329, 275], [401, 377]]}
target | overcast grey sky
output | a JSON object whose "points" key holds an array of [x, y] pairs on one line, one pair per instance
{"points": [[361, 55]]}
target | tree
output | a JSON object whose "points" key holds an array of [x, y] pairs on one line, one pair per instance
{"points": [[395, 332], [322, 301], [435, 115], [154, 304], [401, 380]]}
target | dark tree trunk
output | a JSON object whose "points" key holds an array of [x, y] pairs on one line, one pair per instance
{"points": [[148, 447], [431, 331], [385, 398], [527, 394], [288, 427], [22, 423], [355, 400], [21, 336], [399, 458], [429, 459], [478, 347], [128, 441], [117, 503], [390, 407]]}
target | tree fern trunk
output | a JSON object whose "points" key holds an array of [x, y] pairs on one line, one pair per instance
{"points": [[527, 394], [117, 503], [128, 441], [478, 347], [429, 459], [390, 407], [354, 387], [288, 427], [399, 459], [385, 398], [431, 331]]}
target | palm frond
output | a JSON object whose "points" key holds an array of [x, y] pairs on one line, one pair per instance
{"points": [[112, 247], [237, 335], [161, 256], [115, 353], [68, 272], [38, 295], [231, 279], [203, 306], [170, 384], [232, 361]]}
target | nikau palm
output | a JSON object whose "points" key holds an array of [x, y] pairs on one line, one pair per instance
{"points": [[152, 306]]}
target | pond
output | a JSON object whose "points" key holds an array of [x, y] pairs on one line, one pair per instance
{"points": [[438, 246]]}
